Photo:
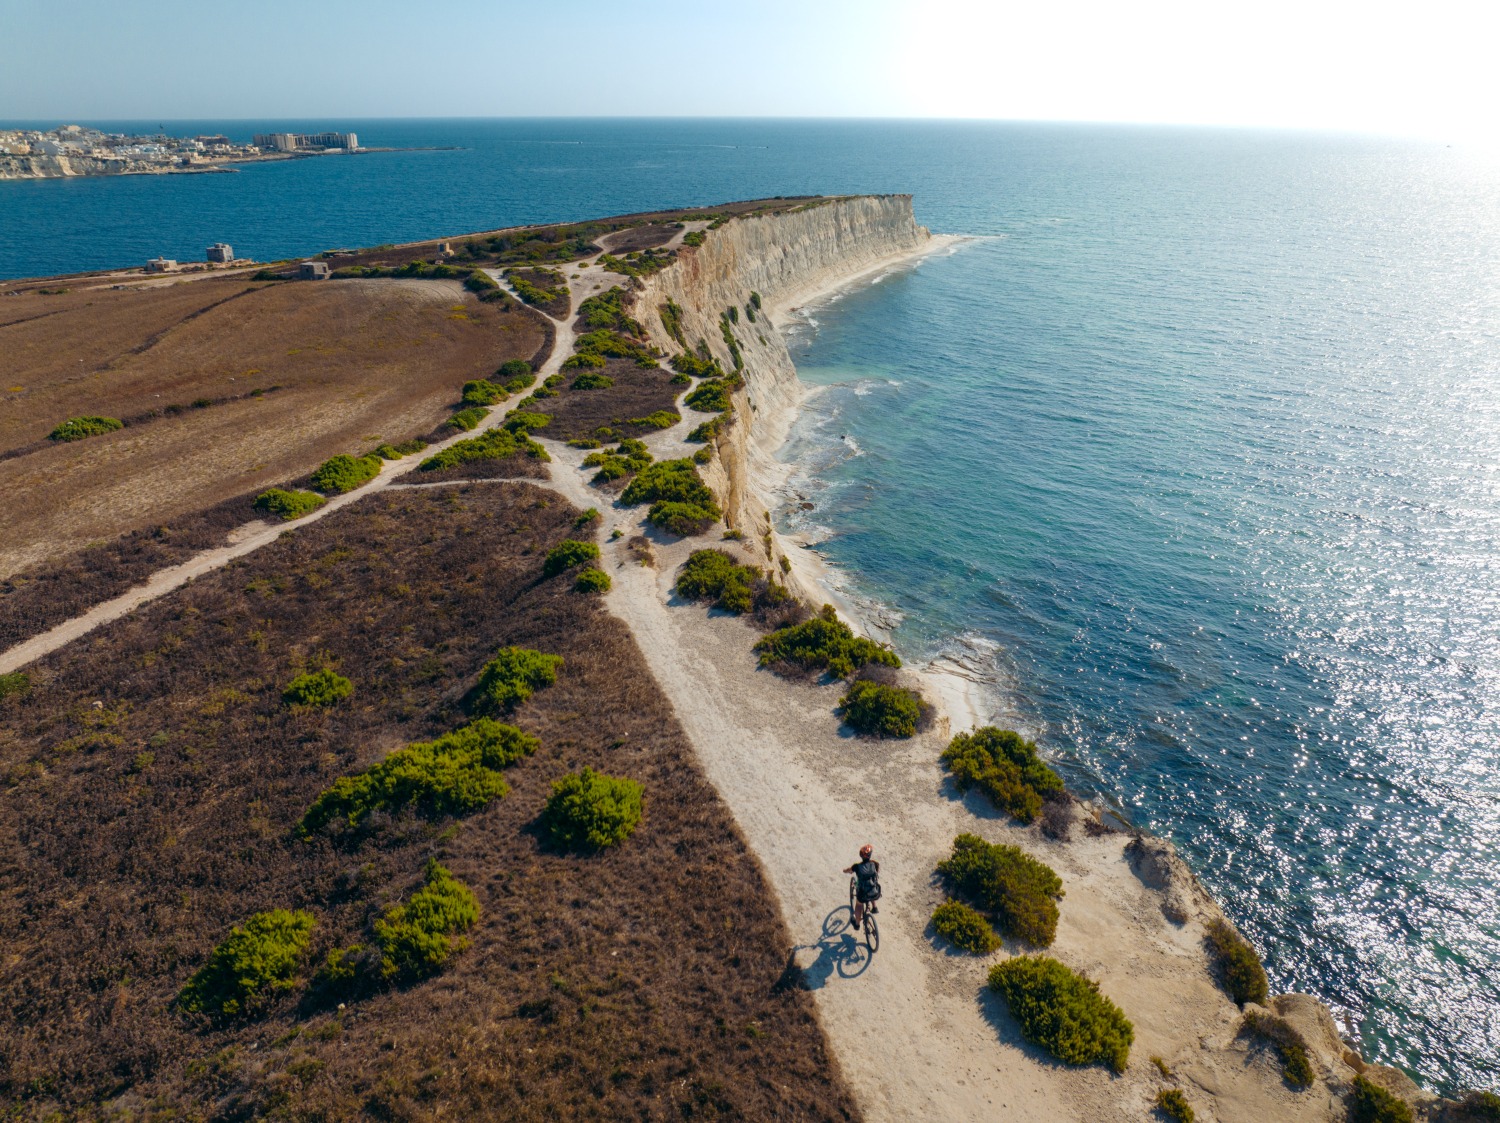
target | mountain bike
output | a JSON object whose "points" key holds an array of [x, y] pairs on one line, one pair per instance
{"points": [[872, 929]]}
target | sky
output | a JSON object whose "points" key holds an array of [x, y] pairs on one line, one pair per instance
{"points": [[1419, 68]]}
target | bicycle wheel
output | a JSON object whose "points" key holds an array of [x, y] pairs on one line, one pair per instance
{"points": [[872, 933]]}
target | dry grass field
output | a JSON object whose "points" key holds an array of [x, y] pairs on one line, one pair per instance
{"points": [[151, 782], [636, 393], [354, 361]]}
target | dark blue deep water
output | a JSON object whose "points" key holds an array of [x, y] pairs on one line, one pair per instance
{"points": [[1194, 453]]}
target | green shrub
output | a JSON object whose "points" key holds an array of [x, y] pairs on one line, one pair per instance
{"points": [[750, 312], [694, 238], [455, 774], [492, 444], [1235, 963], [616, 465], [607, 310], [1476, 1107], [259, 957], [708, 430], [589, 810], [1296, 1062], [714, 575], [755, 300], [671, 320], [482, 392], [682, 519], [343, 473], [674, 480], [583, 442], [1063, 1012], [16, 684], [77, 428], [566, 554], [708, 397], [965, 927], [480, 281], [824, 643], [879, 710], [587, 518], [585, 360], [592, 580], [1006, 767], [658, 419], [288, 504], [467, 419], [703, 455], [596, 345], [416, 939], [1019, 892], [515, 368], [514, 673], [591, 380], [523, 421], [397, 451], [1173, 1104], [317, 688], [698, 366], [1370, 1103]]}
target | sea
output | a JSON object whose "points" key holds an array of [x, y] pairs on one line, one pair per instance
{"points": [[1189, 455]]}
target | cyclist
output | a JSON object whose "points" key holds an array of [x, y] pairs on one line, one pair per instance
{"points": [[867, 891]]}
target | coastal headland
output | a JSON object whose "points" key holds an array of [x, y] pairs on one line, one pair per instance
{"points": [[619, 390]]}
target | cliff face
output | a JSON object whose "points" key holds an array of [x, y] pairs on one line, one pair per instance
{"points": [[785, 258]]}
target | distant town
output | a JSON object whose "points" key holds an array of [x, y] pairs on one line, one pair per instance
{"points": [[74, 150]]}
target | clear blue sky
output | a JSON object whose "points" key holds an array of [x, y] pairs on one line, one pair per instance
{"points": [[1419, 67]]}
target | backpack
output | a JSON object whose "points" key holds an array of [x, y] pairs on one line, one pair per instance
{"points": [[869, 882]]}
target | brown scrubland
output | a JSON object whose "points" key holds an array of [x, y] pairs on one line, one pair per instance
{"points": [[153, 780], [353, 362]]}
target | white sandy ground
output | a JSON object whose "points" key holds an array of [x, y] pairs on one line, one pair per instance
{"points": [[914, 1029]]}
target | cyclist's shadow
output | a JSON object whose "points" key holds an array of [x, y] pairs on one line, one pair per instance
{"points": [[839, 951]]}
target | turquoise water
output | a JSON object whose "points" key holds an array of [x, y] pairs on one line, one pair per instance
{"points": [[1194, 452]]}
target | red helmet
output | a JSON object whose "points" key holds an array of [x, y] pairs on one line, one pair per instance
{"points": [[866, 850]]}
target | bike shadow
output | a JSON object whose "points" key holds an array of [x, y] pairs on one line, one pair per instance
{"points": [[838, 951]]}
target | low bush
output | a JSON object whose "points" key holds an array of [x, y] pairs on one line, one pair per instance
{"points": [[1296, 1062], [257, 958], [1476, 1107], [492, 444], [1006, 767], [587, 518], [673, 480], [708, 430], [880, 710], [965, 927], [694, 238], [77, 428], [697, 366], [590, 811], [16, 684], [755, 300], [479, 281], [515, 368], [317, 688], [288, 504], [714, 575], [1236, 966], [616, 465], [592, 380], [585, 360], [514, 674], [703, 455], [593, 347], [1370, 1103], [343, 473], [607, 310], [729, 340], [708, 397], [1017, 891], [671, 320], [1063, 1012], [417, 938], [455, 774], [592, 580], [523, 421], [467, 419], [482, 392], [682, 519], [566, 554], [824, 643], [403, 448], [1173, 1104], [658, 419]]}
